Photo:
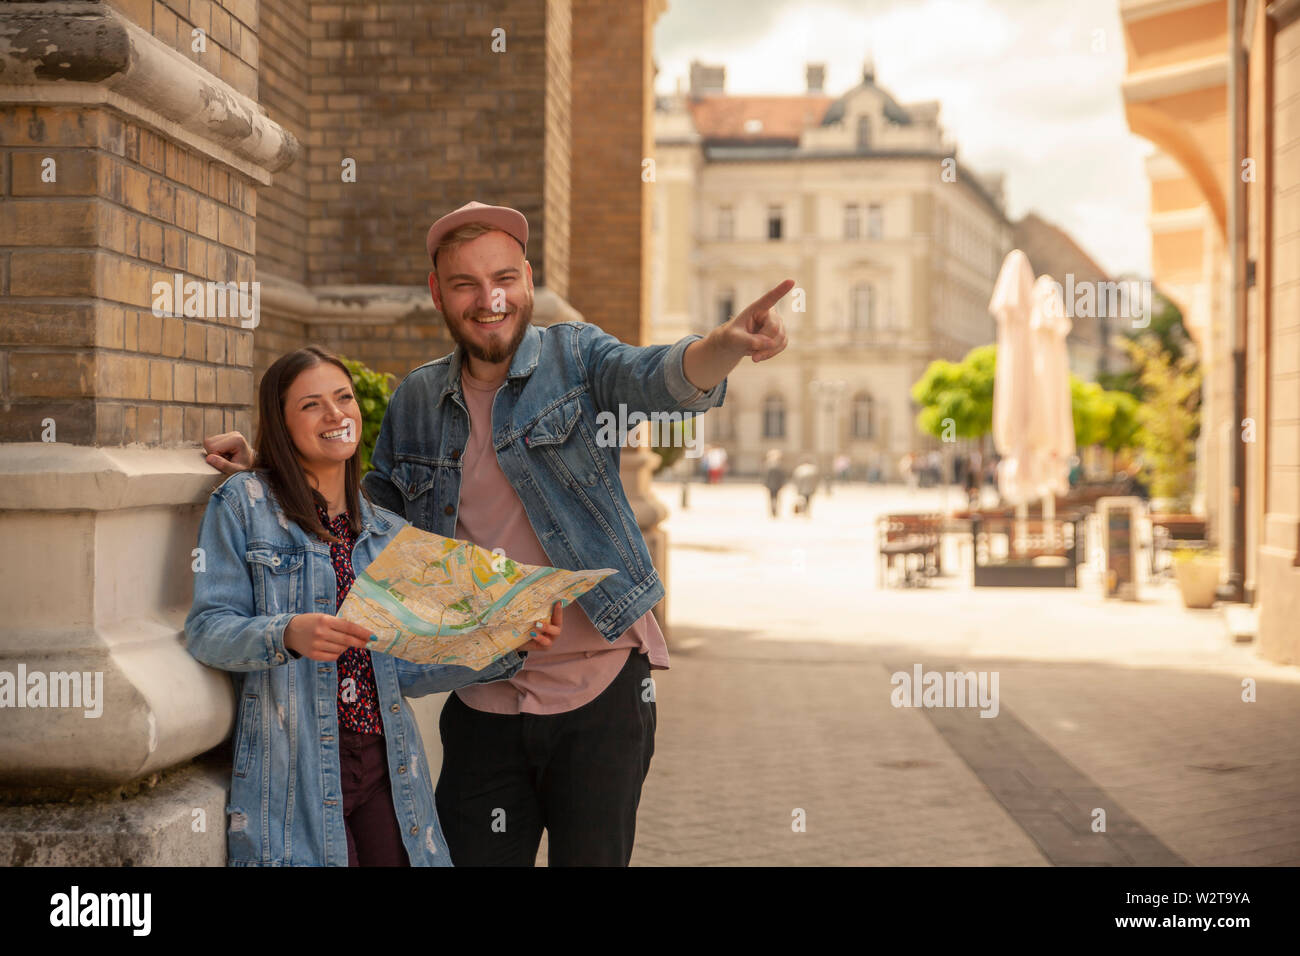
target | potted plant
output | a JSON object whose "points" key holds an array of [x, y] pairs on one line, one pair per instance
{"points": [[1198, 573]]}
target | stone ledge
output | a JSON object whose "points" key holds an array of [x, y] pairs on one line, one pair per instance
{"points": [[154, 828], [51, 476], [87, 52]]}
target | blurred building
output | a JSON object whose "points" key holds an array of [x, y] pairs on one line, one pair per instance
{"points": [[1215, 86], [894, 243]]}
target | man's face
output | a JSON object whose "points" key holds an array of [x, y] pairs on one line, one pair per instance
{"points": [[484, 289]]}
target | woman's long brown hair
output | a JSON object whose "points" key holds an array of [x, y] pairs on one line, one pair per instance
{"points": [[277, 458]]}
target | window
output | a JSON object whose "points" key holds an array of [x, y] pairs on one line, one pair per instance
{"points": [[861, 308], [852, 221], [864, 412], [875, 221], [726, 223], [726, 306], [774, 417], [864, 133], [774, 222]]}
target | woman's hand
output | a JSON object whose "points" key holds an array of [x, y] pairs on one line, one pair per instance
{"points": [[323, 637], [544, 633], [228, 452]]}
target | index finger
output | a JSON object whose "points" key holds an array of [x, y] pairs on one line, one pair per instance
{"points": [[555, 612], [775, 295]]}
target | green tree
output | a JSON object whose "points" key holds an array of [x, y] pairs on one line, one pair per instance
{"points": [[960, 392], [1168, 418], [373, 392], [1124, 423], [1092, 412]]}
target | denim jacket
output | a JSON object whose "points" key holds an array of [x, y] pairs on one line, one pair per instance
{"points": [[545, 431], [286, 801]]}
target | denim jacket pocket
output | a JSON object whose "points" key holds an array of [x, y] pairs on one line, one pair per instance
{"points": [[247, 732], [564, 442], [277, 579], [415, 481]]}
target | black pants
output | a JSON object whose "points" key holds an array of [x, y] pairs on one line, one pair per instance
{"points": [[505, 777]]}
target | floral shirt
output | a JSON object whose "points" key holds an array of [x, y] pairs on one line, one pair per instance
{"points": [[358, 700]]}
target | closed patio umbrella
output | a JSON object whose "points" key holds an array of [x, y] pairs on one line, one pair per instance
{"points": [[1013, 386], [1051, 421], [1051, 433]]}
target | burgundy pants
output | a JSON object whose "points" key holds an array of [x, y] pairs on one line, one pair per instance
{"points": [[374, 837]]}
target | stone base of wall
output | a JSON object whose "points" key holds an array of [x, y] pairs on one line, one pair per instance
{"points": [[179, 822]]}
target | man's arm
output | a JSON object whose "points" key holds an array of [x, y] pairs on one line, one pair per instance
{"points": [[757, 332], [689, 375]]}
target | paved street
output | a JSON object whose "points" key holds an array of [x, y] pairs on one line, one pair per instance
{"points": [[779, 701]]}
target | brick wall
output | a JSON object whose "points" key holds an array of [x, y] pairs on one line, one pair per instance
{"points": [[78, 259], [283, 210], [230, 28], [433, 118], [606, 273]]}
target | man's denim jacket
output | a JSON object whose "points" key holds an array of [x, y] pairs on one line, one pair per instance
{"points": [[544, 430], [286, 800]]}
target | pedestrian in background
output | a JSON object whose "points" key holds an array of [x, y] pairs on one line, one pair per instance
{"points": [[805, 483], [774, 476]]}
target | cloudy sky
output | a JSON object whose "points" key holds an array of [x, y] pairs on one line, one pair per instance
{"points": [[1027, 87]]}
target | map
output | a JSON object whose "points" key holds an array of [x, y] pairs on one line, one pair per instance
{"points": [[435, 600]]}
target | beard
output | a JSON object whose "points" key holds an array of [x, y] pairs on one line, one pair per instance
{"points": [[493, 353]]}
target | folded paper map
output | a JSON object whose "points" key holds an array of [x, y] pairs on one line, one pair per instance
{"points": [[436, 600]]}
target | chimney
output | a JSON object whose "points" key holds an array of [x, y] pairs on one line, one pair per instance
{"points": [[707, 80], [816, 74], [868, 70]]}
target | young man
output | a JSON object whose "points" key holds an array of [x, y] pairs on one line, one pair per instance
{"points": [[498, 443]]}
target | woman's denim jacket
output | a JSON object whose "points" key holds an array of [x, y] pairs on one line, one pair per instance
{"points": [[259, 569], [551, 446]]}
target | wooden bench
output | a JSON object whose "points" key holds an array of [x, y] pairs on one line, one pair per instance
{"points": [[902, 537]]}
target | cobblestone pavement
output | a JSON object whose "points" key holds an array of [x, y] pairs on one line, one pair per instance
{"points": [[779, 701]]}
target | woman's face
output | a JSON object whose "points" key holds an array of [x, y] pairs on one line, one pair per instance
{"points": [[321, 415]]}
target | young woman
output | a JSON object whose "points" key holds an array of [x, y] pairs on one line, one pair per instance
{"points": [[328, 762]]}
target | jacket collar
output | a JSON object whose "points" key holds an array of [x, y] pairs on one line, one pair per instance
{"points": [[371, 519], [522, 363]]}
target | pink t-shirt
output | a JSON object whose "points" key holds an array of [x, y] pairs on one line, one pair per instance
{"points": [[580, 663]]}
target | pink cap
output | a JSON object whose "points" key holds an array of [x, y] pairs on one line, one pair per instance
{"points": [[510, 221]]}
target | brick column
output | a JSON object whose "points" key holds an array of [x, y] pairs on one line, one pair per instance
{"points": [[132, 153], [609, 275]]}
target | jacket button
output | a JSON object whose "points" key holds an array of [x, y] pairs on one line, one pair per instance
{"points": [[279, 658], [395, 708], [448, 510], [414, 830], [275, 562], [455, 454], [402, 769]]}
